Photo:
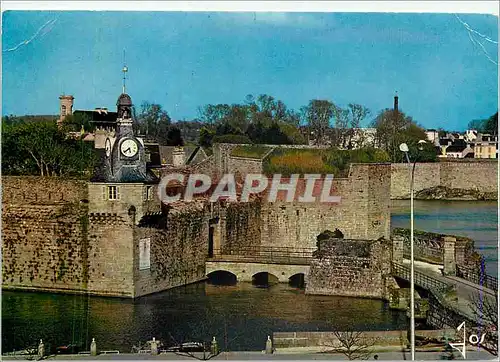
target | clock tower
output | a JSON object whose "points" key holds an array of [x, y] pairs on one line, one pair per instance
{"points": [[125, 153], [122, 184]]}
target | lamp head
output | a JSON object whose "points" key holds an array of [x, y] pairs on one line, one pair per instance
{"points": [[421, 144], [403, 147]]}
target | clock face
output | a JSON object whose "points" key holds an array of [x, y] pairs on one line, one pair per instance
{"points": [[129, 148], [108, 147]]}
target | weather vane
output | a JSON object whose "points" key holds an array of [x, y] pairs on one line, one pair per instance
{"points": [[124, 70]]}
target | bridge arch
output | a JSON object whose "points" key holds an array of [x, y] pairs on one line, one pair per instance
{"points": [[222, 277], [244, 271], [264, 278], [297, 280]]}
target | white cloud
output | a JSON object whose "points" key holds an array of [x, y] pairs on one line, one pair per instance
{"points": [[302, 20]]}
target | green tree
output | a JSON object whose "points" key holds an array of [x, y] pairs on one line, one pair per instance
{"points": [[152, 121], [392, 129], [477, 124], [213, 114], [357, 114], [42, 148], [317, 115], [173, 137], [491, 124], [15, 159], [206, 137], [74, 123]]}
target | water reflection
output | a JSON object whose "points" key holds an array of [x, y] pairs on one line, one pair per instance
{"points": [[241, 314]]}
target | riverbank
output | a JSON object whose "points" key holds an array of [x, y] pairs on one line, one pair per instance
{"points": [[450, 194]]}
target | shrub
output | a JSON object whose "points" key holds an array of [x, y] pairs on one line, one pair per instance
{"points": [[251, 151], [287, 162], [232, 138]]}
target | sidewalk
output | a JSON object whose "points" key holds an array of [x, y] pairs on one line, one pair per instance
{"points": [[246, 356]]}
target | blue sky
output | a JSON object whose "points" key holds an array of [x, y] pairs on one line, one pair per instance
{"points": [[183, 60]]}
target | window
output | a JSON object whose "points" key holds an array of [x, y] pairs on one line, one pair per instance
{"points": [[63, 110], [144, 254], [148, 194], [111, 193]]}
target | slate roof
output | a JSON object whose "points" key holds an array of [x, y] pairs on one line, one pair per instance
{"points": [[132, 174], [124, 100], [167, 152], [126, 174], [99, 117], [153, 149], [457, 146]]}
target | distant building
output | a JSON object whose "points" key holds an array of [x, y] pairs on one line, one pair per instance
{"points": [[363, 137], [432, 136], [470, 135], [172, 156], [105, 128], [486, 146], [456, 148], [65, 107]]}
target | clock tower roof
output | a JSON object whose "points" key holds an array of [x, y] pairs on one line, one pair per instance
{"points": [[124, 100]]}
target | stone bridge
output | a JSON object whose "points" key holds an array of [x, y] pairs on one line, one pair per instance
{"points": [[246, 271], [281, 264]]}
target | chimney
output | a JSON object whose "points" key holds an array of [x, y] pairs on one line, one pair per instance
{"points": [[179, 158], [396, 98]]}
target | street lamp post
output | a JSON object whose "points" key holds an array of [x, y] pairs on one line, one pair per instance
{"points": [[404, 148]]}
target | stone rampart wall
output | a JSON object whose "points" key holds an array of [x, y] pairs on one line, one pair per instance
{"points": [[44, 227], [481, 176], [225, 163], [467, 175], [241, 226], [362, 213], [244, 165], [21, 190], [179, 249], [429, 247], [110, 252], [354, 268]]}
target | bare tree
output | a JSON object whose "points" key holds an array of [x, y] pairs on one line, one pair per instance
{"points": [[354, 345], [214, 323], [485, 310], [342, 126], [357, 114], [347, 125], [317, 115]]}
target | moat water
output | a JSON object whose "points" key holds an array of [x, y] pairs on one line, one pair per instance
{"points": [[240, 316]]}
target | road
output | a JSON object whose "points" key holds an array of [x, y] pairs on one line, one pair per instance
{"points": [[465, 290]]}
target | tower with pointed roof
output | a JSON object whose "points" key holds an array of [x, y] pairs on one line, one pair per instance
{"points": [[122, 181]]}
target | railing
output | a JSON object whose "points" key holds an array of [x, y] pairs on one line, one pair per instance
{"points": [[477, 276], [424, 249], [265, 254], [442, 314], [421, 279]]}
